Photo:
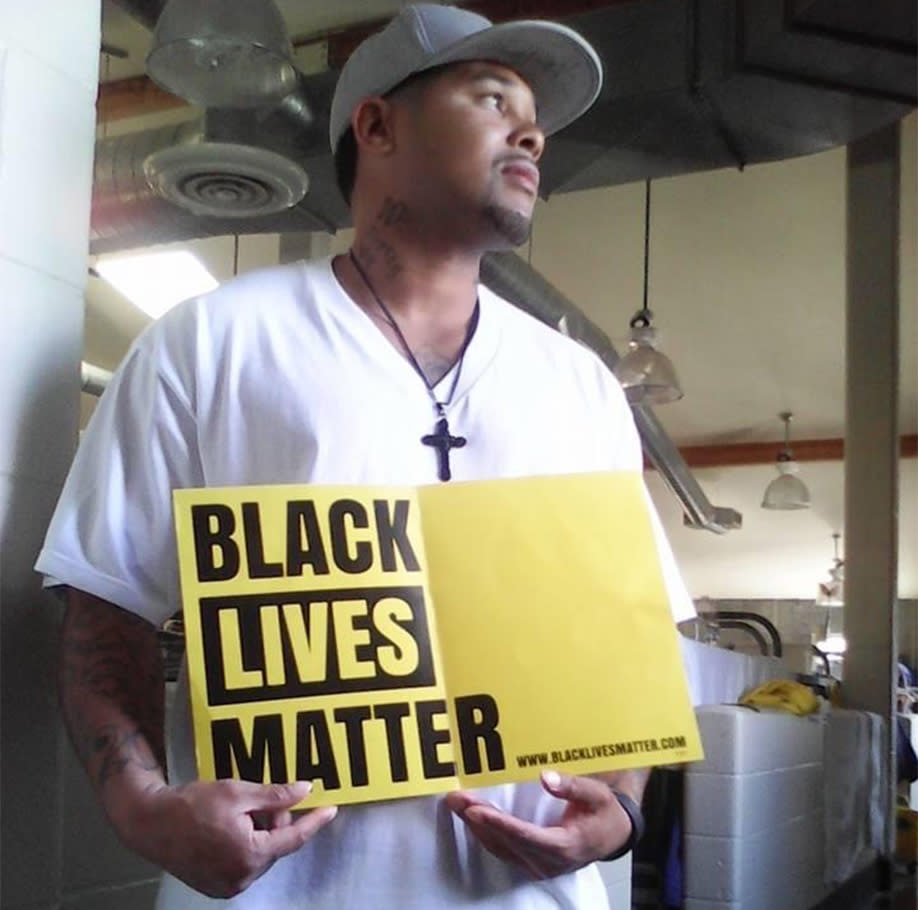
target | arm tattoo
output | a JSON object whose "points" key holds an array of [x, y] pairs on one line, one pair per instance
{"points": [[111, 686], [117, 747]]}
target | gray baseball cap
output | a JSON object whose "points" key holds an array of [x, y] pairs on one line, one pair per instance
{"points": [[562, 70]]}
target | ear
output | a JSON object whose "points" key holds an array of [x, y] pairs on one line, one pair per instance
{"points": [[372, 122]]}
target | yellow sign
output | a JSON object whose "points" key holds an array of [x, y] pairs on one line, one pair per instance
{"points": [[386, 642]]}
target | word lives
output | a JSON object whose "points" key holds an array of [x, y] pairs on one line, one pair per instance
{"points": [[334, 684]]}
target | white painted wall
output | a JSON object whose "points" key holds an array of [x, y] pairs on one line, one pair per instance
{"points": [[48, 75]]}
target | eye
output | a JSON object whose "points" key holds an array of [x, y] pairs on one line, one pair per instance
{"points": [[494, 100]]}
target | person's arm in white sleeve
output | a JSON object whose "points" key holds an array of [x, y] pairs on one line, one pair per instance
{"points": [[112, 535], [216, 837]]}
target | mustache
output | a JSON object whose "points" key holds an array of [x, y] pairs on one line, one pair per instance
{"points": [[517, 158]]}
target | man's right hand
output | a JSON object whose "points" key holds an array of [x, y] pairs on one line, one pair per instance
{"points": [[219, 837], [216, 837]]}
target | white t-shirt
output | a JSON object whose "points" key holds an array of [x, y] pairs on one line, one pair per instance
{"points": [[278, 377]]}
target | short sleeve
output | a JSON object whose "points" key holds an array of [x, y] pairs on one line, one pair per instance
{"points": [[112, 532]]}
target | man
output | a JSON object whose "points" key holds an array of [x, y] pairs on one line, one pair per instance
{"points": [[388, 365]]}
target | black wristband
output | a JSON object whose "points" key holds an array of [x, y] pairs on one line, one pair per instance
{"points": [[633, 811]]}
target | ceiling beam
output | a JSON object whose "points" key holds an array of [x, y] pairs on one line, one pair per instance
{"points": [[133, 97], [748, 453]]}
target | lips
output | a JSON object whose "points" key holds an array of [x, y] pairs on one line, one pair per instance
{"points": [[523, 172]]}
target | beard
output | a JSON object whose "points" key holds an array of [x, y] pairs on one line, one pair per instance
{"points": [[511, 226]]}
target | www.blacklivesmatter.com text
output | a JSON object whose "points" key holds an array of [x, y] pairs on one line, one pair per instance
{"points": [[603, 750]]}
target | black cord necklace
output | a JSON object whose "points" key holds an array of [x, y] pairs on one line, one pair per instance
{"points": [[440, 439]]}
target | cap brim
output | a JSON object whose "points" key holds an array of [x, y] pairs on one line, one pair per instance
{"points": [[561, 68]]}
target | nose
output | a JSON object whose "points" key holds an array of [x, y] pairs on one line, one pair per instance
{"points": [[530, 138]]}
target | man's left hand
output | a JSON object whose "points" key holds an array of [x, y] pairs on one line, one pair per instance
{"points": [[592, 826]]}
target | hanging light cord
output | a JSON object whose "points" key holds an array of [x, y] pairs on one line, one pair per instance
{"points": [[786, 454], [643, 316]]}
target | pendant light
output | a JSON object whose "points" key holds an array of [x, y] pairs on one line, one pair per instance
{"points": [[645, 373], [786, 491], [222, 53], [831, 593]]}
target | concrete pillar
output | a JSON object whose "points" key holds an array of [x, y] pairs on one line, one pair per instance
{"points": [[871, 436], [49, 55]]}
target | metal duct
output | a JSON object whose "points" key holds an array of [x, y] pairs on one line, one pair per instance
{"points": [[119, 183], [208, 177], [507, 275], [689, 86], [692, 85]]}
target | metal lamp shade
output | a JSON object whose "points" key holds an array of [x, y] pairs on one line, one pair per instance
{"points": [[831, 593], [222, 53], [646, 374], [786, 491]]}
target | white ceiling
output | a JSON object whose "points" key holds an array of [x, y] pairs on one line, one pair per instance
{"points": [[748, 283]]}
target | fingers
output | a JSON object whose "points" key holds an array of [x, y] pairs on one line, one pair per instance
{"points": [[485, 819], [508, 849], [218, 837], [459, 800], [515, 841], [265, 820], [280, 819], [482, 815], [251, 797], [283, 833], [589, 792], [513, 829], [590, 821], [280, 841]]}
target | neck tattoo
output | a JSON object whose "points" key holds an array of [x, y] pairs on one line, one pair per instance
{"points": [[441, 439]]}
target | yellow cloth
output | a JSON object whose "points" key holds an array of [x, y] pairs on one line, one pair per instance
{"points": [[783, 694]]}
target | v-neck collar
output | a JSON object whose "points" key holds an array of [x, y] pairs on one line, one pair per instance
{"points": [[478, 355]]}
